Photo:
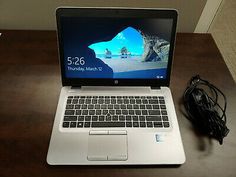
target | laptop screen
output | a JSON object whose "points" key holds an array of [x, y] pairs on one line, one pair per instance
{"points": [[118, 48]]}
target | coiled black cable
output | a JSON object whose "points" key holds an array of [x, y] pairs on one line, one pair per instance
{"points": [[203, 109]]}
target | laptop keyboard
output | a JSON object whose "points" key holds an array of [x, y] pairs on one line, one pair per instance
{"points": [[115, 111]]}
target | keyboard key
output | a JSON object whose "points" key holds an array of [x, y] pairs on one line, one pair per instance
{"points": [[164, 118], [123, 106], [94, 101], [148, 106], [108, 124], [98, 112], [118, 112], [108, 117], [142, 106], [131, 112], [70, 106], [70, 118], [80, 118], [166, 124], [149, 124], [144, 112], [129, 106], [110, 106], [65, 124], [141, 118], [69, 112], [115, 118], [78, 106], [138, 101], [100, 101], [145, 101], [103, 106], [142, 124], [72, 124], [116, 106], [84, 106], [121, 118], [90, 106], [69, 101], [113, 101], [88, 118], [94, 118], [162, 101], [85, 112], [75, 101], [124, 112], [78, 112], [88, 101], [163, 106], [153, 101], [87, 124], [97, 106], [128, 124], [91, 112], [104, 112], [111, 111], [128, 118], [135, 118], [155, 106], [126, 101], [135, 124], [107, 101], [153, 118], [119, 101], [164, 112], [137, 112], [158, 124], [81, 101], [132, 101], [154, 112], [101, 118], [80, 124]]}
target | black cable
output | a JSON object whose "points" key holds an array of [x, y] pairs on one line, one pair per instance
{"points": [[201, 104]]}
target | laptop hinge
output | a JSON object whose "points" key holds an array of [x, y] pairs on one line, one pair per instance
{"points": [[155, 88], [76, 87]]}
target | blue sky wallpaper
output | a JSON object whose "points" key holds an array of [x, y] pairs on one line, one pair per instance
{"points": [[129, 38]]}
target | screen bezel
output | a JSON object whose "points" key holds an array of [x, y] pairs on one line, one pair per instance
{"points": [[122, 13]]}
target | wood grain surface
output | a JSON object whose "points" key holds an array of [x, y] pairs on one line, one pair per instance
{"points": [[29, 90]]}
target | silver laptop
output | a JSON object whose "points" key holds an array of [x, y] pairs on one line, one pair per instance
{"points": [[115, 106]]}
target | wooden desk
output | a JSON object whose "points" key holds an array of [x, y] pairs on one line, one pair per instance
{"points": [[29, 91]]}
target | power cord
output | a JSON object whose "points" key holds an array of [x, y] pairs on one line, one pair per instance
{"points": [[203, 110]]}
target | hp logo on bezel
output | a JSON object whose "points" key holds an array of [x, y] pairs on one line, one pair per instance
{"points": [[116, 81]]}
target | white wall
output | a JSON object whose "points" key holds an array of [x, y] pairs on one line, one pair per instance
{"points": [[40, 15]]}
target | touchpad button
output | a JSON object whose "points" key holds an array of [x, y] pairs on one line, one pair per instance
{"points": [[111, 147]]}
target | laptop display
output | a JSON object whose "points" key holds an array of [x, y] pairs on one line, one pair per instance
{"points": [[116, 48], [115, 106]]}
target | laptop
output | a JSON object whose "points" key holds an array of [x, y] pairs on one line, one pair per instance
{"points": [[115, 106]]}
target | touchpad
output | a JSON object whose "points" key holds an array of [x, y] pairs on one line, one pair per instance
{"points": [[107, 145]]}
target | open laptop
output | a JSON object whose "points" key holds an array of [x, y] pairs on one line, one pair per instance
{"points": [[115, 106]]}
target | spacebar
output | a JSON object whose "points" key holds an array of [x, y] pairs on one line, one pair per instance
{"points": [[108, 124]]}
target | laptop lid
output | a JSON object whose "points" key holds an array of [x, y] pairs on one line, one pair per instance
{"points": [[115, 46]]}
